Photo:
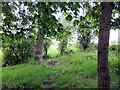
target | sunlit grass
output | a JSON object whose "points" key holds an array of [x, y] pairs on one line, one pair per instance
{"points": [[53, 51]]}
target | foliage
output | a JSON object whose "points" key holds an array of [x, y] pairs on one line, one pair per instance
{"points": [[114, 47], [62, 46], [115, 16], [88, 23], [17, 37], [1, 56], [18, 23], [47, 44], [40, 14], [16, 54], [84, 38], [69, 18]]}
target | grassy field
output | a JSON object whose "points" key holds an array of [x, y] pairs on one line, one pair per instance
{"points": [[78, 70]]}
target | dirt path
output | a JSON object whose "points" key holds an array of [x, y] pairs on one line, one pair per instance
{"points": [[48, 81]]}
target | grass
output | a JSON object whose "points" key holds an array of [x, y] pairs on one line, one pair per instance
{"points": [[78, 69], [53, 52], [74, 71], [25, 75], [1, 56]]}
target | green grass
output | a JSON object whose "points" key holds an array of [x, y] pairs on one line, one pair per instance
{"points": [[78, 69], [53, 52], [26, 75], [1, 56]]}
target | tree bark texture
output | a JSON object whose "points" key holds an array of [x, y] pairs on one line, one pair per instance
{"points": [[39, 46], [103, 43]]}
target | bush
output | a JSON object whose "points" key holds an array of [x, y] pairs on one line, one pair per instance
{"points": [[63, 46], [93, 46], [114, 47], [16, 54]]}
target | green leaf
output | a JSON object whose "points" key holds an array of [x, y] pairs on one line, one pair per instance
{"points": [[76, 22], [96, 32], [69, 18]]}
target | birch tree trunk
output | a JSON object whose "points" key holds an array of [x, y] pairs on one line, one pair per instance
{"points": [[103, 43]]}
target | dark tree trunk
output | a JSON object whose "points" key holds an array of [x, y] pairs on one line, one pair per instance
{"points": [[85, 45], [39, 46], [62, 49], [46, 51], [63, 46], [103, 43]]}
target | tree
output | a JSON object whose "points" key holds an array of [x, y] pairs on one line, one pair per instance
{"points": [[47, 44], [63, 46], [64, 39], [103, 43], [39, 45], [16, 42], [87, 23], [43, 15], [44, 22], [37, 16], [84, 37]]}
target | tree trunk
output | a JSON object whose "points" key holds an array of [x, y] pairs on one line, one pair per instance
{"points": [[103, 43], [39, 46], [63, 46], [46, 51]]}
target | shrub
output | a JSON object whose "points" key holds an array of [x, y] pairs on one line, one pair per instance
{"points": [[112, 47], [18, 53], [93, 46]]}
